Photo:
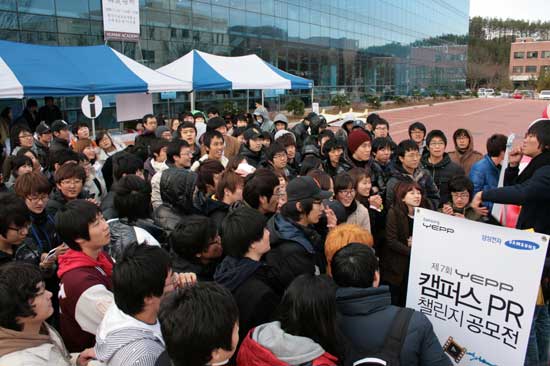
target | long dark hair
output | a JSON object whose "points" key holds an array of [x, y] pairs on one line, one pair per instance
{"points": [[401, 191], [308, 309]]}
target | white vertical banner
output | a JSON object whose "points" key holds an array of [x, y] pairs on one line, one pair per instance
{"points": [[478, 285], [133, 106], [121, 20]]}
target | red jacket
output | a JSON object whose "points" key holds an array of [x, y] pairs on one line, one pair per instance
{"points": [[251, 353]]}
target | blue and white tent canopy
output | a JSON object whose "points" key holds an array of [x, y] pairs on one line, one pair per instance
{"points": [[212, 72], [28, 70]]}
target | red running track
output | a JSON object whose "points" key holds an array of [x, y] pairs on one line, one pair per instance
{"points": [[483, 117]]}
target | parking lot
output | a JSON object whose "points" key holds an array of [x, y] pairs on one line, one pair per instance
{"points": [[483, 117]]}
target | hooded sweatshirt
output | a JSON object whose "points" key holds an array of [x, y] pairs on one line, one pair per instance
{"points": [[255, 288], [281, 118], [295, 249], [21, 348], [268, 344], [267, 124], [124, 340], [84, 296], [468, 157]]}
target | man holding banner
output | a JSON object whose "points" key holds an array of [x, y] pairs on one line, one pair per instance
{"points": [[530, 189]]}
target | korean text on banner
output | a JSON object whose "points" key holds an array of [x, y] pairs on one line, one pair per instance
{"points": [[121, 20], [478, 285]]}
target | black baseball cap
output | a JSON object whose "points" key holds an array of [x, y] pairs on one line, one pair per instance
{"points": [[251, 134], [43, 128], [59, 125], [302, 188]]}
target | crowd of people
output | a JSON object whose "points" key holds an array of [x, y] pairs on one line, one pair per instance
{"points": [[237, 239]]}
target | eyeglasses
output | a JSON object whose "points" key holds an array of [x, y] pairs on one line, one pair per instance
{"points": [[381, 128], [279, 156], [25, 136], [413, 156], [440, 143], [348, 192], [71, 182], [35, 199], [24, 230], [464, 195]]}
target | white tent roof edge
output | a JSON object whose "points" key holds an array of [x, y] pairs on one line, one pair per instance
{"points": [[244, 71], [156, 82], [10, 87]]}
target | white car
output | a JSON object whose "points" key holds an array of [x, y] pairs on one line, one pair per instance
{"points": [[544, 95], [490, 93]]}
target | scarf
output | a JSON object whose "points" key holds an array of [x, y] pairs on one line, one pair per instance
{"points": [[74, 259], [13, 340], [539, 161], [351, 209]]}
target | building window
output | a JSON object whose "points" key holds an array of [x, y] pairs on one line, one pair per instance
{"points": [[519, 54], [545, 54], [531, 69], [533, 54], [517, 69]]}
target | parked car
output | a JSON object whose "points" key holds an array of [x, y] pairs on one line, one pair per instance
{"points": [[506, 94], [544, 95], [517, 95], [523, 94], [485, 92]]}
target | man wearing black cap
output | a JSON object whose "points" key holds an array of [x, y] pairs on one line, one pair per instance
{"points": [[232, 145], [41, 144], [296, 247], [252, 148], [61, 136]]}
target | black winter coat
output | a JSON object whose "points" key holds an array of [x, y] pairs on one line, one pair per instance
{"points": [[364, 309], [145, 139], [204, 272], [396, 254], [42, 153], [57, 201], [254, 286], [295, 249], [534, 197], [442, 173], [430, 192], [58, 144], [252, 158]]}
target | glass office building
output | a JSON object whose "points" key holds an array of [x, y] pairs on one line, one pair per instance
{"points": [[382, 47]]}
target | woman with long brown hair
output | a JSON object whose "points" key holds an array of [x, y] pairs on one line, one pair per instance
{"points": [[399, 228]]}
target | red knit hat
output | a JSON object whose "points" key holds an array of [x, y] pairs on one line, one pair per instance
{"points": [[356, 138]]}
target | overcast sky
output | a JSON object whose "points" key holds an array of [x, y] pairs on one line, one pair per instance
{"points": [[515, 9]]}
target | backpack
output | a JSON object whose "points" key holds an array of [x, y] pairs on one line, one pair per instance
{"points": [[390, 352]]}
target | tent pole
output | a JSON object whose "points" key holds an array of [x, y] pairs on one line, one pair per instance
{"points": [[247, 100], [93, 128], [312, 98], [262, 97], [192, 100]]}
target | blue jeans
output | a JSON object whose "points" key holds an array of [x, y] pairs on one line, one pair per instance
{"points": [[539, 338]]}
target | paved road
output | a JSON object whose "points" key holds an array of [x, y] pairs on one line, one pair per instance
{"points": [[483, 117]]}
